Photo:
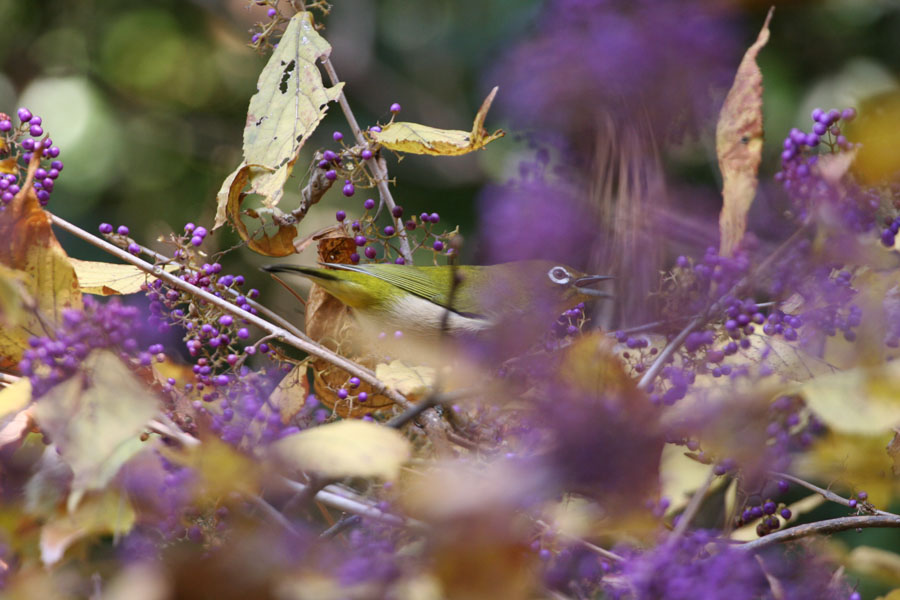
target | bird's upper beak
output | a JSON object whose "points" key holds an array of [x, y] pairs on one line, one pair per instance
{"points": [[587, 280]]}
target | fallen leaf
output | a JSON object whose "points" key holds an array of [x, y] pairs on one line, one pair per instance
{"points": [[351, 448], [414, 138], [95, 419], [97, 515], [107, 279], [739, 141]]}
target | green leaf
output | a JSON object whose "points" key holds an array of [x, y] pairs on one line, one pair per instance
{"points": [[346, 449], [95, 420]]}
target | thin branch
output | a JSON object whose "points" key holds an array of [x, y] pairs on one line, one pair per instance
{"points": [[691, 509], [822, 528], [715, 307], [163, 426], [280, 333], [334, 500], [344, 524], [608, 554], [829, 495], [379, 171], [431, 401]]}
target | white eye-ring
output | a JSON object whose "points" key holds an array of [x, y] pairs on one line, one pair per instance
{"points": [[559, 275]]}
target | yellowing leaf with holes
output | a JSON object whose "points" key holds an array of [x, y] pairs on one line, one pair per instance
{"points": [[412, 381], [859, 401], [95, 419], [107, 279], [346, 449], [107, 513], [27, 244], [290, 101], [739, 141], [415, 138]]}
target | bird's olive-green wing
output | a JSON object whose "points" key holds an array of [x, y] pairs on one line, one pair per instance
{"points": [[431, 283]]}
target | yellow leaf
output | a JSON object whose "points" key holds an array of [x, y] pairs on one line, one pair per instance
{"points": [[97, 515], [346, 449], [95, 420], [422, 139], [107, 279], [289, 396], [27, 244], [876, 129], [876, 563], [15, 420], [859, 401], [680, 476], [739, 141], [220, 469], [850, 463], [13, 296], [414, 382], [892, 595], [290, 101]]}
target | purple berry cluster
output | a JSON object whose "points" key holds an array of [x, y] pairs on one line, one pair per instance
{"points": [[369, 237], [768, 511], [571, 322], [791, 428], [110, 326], [22, 143], [266, 33], [120, 237]]}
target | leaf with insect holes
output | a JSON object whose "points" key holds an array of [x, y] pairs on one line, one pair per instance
{"points": [[739, 142], [107, 279], [95, 419], [27, 245], [349, 448], [290, 101], [414, 138]]}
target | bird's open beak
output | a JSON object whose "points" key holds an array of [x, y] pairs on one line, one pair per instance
{"points": [[582, 283]]}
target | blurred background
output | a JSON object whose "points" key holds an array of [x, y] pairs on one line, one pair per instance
{"points": [[609, 106]]}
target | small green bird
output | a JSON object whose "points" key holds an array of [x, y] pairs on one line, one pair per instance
{"points": [[425, 300]]}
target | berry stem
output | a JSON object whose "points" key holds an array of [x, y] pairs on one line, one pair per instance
{"points": [[378, 169], [829, 495], [826, 527]]}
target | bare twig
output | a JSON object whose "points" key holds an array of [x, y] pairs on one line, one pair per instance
{"points": [[379, 171], [691, 509], [715, 307], [822, 528], [356, 507], [829, 495], [608, 554]]}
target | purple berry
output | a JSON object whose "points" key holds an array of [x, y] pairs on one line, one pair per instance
{"points": [[24, 114], [434, 218], [122, 230], [337, 136], [370, 253], [369, 204], [271, 12], [862, 496], [134, 248], [852, 503], [348, 189], [340, 216], [36, 130], [226, 320], [399, 261], [360, 240], [785, 513], [5, 125], [363, 396], [200, 232], [438, 245], [366, 154], [342, 394], [354, 258], [375, 129], [28, 144], [397, 211], [389, 230], [395, 108], [354, 381], [106, 228], [848, 114], [196, 240], [331, 175]]}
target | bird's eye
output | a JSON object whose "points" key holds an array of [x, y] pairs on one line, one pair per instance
{"points": [[559, 275]]}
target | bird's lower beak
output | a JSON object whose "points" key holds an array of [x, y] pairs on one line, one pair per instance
{"points": [[583, 282]]}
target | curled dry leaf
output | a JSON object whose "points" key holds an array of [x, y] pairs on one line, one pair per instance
{"points": [[290, 101], [351, 448], [415, 138], [107, 279], [739, 141], [330, 323]]}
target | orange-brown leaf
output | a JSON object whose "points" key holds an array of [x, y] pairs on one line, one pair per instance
{"points": [[739, 141]]}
